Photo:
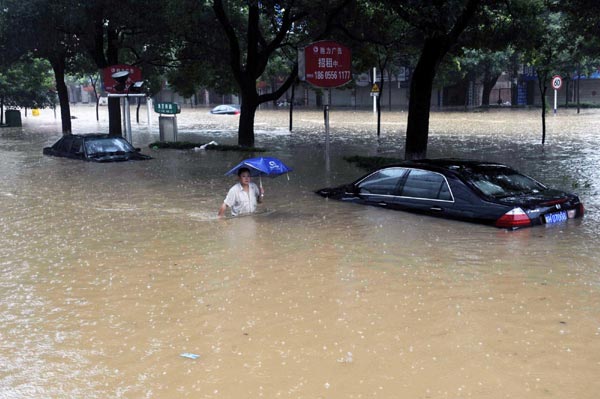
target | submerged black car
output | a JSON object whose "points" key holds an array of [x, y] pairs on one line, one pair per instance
{"points": [[482, 192], [95, 147]]}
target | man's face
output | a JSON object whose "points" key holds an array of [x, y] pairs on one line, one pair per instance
{"points": [[245, 177]]}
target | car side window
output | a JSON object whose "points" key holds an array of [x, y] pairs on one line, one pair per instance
{"points": [[427, 185], [382, 182], [65, 144], [77, 146]]}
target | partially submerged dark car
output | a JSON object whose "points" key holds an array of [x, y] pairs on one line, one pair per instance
{"points": [[95, 147], [482, 192]]}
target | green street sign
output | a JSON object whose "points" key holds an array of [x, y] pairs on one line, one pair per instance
{"points": [[167, 108]]}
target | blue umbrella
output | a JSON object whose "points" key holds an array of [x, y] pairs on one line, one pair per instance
{"points": [[262, 166]]}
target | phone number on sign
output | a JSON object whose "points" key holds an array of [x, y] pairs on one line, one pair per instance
{"points": [[332, 75]]}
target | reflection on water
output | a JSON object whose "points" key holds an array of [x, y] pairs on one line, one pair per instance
{"points": [[111, 271]]}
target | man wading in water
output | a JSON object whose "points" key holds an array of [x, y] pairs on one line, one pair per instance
{"points": [[243, 197]]}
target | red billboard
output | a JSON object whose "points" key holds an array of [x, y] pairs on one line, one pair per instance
{"points": [[112, 86], [326, 64]]}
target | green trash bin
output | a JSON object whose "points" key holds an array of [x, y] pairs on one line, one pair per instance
{"points": [[13, 117]]}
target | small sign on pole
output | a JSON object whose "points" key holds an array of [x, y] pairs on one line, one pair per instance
{"points": [[556, 85], [167, 108], [112, 85], [167, 125], [556, 82], [325, 64], [375, 90]]}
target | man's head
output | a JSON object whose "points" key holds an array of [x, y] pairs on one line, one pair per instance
{"points": [[244, 175]]}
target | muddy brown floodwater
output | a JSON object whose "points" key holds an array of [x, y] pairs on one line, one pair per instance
{"points": [[110, 272]]}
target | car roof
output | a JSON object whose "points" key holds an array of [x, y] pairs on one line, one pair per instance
{"points": [[448, 164], [94, 136]]}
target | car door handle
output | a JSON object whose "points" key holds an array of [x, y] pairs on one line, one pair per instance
{"points": [[382, 203], [436, 209]]}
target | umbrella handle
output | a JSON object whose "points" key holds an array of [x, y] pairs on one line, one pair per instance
{"points": [[261, 191]]}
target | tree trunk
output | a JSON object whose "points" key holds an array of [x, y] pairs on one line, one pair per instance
{"points": [[390, 90], [542, 78], [114, 116], [137, 110], [486, 91], [246, 125], [106, 53], [544, 117], [248, 64], [292, 104], [58, 66], [577, 92], [488, 84], [96, 97], [417, 129], [378, 106]]}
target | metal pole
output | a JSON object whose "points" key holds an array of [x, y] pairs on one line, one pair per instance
{"points": [[374, 99], [148, 112], [326, 115], [126, 112], [128, 122], [124, 117], [555, 100]]}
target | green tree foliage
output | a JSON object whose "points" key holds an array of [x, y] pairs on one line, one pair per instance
{"points": [[581, 18], [378, 39], [548, 53], [258, 30], [582, 30], [484, 67], [111, 32], [444, 28], [492, 42], [106, 31], [27, 84], [232, 45], [38, 26], [201, 55], [440, 25]]}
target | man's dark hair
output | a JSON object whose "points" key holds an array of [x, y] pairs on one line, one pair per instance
{"points": [[242, 170]]}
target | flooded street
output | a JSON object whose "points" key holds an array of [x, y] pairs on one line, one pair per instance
{"points": [[110, 272]]}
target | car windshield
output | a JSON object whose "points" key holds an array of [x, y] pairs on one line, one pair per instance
{"points": [[502, 182], [107, 145]]}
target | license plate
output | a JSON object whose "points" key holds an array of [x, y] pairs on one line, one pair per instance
{"points": [[555, 217]]}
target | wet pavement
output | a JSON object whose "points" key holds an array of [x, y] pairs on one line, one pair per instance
{"points": [[110, 272]]}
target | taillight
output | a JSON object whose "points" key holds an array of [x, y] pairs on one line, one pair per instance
{"points": [[581, 210], [514, 218]]}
